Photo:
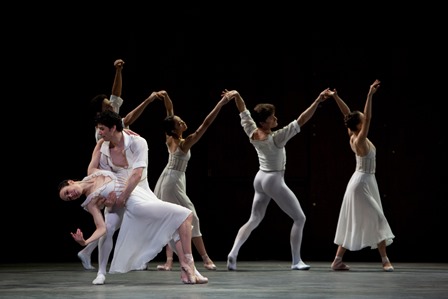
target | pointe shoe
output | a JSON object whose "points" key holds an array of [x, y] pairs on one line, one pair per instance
{"points": [[300, 266], [163, 268], [387, 266], [208, 263], [167, 266], [210, 266], [338, 265], [187, 276], [85, 260], [100, 279], [231, 263], [199, 278]]}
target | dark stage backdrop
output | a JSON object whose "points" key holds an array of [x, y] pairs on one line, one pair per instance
{"points": [[58, 65]]}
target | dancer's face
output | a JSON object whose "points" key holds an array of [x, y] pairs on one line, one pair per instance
{"points": [[105, 132], [271, 122], [71, 192]]}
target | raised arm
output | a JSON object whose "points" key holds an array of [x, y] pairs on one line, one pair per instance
{"points": [[132, 116], [233, 94], [306, 115], [362, 135], [341, 104], [191, 139], [167, 101], [118, 82]]}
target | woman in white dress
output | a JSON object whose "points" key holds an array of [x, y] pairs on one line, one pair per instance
{"points": [[148, 224], [171, 185], [362, 222]]}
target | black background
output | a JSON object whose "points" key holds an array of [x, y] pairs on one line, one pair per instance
{"points": [[56, 62]]}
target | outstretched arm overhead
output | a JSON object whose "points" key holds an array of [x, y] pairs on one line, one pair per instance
{"points": [[341, 104], [309, 112], [118, 82], [233, 94], [132, 116], [168, 103], [191, 139], [368, 110]]}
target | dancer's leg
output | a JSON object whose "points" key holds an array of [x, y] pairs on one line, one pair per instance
{"points": [[387, 266], [85, 255], [105, 245], [169, 260], [184, 252], [259, 206], [275, 186], [200, 247], [337, 264]]}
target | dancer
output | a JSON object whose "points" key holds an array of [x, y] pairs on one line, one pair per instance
{"points": [[98, 104], [171, 185], [127, 157], [101, 102], [148, 223], [269, 182], [362, 222]]}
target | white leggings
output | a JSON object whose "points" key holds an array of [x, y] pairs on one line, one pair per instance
{"points": [[113, 221], [269, 185]]}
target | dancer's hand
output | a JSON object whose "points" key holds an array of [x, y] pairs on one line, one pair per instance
{"points": [[79, 237]]}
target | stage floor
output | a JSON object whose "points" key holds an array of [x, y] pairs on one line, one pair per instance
{"points": [[259, 279]]}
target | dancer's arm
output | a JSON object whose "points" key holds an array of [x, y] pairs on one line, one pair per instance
{"points": [[167, 101], [191, 139], [341, 104], [233, 94], [94, 209], [95, 159], [118, 81], [362, 135], [132, 116], [306, 115]]}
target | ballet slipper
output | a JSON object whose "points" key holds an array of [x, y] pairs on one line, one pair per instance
{"points": [[187, 267], [387, 266], [199, 278], [167, 266], [231, 263], [338, 265], [208, 263], [300, 266], [187, 275], [100, 279], [85, 260], [211, 266]]}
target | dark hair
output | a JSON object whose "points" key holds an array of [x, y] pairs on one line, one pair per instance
{"points": [[109, 119], [62, 185], [96, 104], [262, 112], [169, 125], [352, 120]]}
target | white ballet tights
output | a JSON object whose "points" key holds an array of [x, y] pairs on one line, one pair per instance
{"points": [[87, 251], [106, 242], [269, 185]]}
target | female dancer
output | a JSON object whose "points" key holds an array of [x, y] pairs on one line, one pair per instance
{"points": [[148, 223], [171, 185], [361, 221]]}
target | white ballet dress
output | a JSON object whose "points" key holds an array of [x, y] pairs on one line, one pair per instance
{"points": [[362, 222], [148, 225]]}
